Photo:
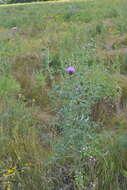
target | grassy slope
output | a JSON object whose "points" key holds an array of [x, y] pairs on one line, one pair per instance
{"points": [[37, 41]]}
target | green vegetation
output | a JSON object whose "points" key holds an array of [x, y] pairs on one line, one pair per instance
{"points": [[61, 130]]}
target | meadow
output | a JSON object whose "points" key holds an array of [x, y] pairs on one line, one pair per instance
{"points": [[63, 95]]}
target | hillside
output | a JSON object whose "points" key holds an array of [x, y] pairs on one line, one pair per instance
{"points": [[63, 95]]}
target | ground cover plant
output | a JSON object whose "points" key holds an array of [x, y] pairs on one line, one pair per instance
{"points": [[63, 96]]}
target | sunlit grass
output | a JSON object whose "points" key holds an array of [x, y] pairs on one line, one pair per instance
{"points": [[36, 3]]}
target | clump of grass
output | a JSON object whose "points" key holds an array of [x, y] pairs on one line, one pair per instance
{"points": [[26, 71]]}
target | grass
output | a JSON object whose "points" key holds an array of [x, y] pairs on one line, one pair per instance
{"points": [[61, 131], [35, 2]]}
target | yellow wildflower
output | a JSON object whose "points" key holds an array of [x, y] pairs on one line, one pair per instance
{"points": [[29, 164], [33, 100], [8, 188], [5, 175], [11, 170]]}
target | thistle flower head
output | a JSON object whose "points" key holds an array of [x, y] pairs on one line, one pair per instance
{"points": [[70, 70]]}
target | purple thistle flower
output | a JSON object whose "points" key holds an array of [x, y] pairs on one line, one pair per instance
{"points": [[70, 70]]}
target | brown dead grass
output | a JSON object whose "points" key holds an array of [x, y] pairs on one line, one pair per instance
{"points": [[115, 46], [103, 111], [23, 70], [113, 114]]}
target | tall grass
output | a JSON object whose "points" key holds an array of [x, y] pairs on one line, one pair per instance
{"points": [[62, 131]]}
